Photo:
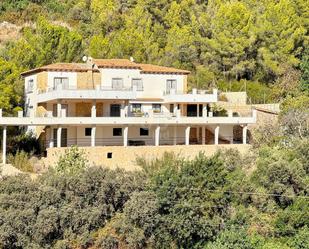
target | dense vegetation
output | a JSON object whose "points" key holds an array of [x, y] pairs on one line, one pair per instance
{"points": [[238, 45], [259, 200]]}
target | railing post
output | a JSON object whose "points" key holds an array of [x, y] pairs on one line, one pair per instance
{"points": [[51, 142], [125, 136], [59, 130], [187, 135], [93, 131], [217, 129], [157, 136], [244, 134]]}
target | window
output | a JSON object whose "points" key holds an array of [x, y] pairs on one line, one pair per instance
{"points": [[144, 132], [64, 81], [117, 132], [136, 108], [109, 155], [171, 84], [87, 132], [30, 85], [156, 107], [138, 83], [117, 83]]}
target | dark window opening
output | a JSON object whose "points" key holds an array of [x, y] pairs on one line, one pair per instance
{"points": [[144, 132], [109, 155], [117, 132], [87, 132]]}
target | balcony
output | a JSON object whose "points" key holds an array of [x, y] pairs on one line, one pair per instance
{"points": [[149, 118], [100, 92], [196, 96]]}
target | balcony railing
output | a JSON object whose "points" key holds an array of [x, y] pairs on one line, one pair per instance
{"points": [[61, 87]]}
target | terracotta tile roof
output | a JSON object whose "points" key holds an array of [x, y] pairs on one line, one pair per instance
{"points": [[107, 63], [145, 68], [115, 63], [66, 67], [149, 68]]}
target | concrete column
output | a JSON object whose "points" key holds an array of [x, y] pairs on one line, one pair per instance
{"points": [[175, 136], [175, 108], [59, 130], [204, 110], [51, 141], [125, 136], [94, 109], [187, 135], [217, 134], [157, 136], [244, 134], [93, 131], [203, 134], [4, 146], [58, 108]]}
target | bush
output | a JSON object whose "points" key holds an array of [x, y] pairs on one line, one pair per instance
{"points": [[21, 161], [72, 162]]}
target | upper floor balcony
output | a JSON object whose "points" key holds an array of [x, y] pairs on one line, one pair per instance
{"points": [[99, 92], [196, 96]]}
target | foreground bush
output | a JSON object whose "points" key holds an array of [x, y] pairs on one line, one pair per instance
{"points": [[35, 214]]}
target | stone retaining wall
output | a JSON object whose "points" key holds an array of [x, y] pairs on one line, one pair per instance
{"points": [[124, 157]]}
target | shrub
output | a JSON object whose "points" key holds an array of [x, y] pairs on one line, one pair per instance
{"points": [[21, 161], [73, 161]]}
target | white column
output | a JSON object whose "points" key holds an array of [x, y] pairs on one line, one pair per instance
{"points": [[59, 108], [244, 134], [94, 109], [157, 136], [125, 136], [217, 134], [204, 110], [203, 134], [59, 130], [175, 136], [187, 135], [4, 146], [175, 108], [51, 139], [93, 131]]}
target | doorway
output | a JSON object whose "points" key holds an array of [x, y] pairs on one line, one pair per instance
{"points": [[115, 110], [191, 110]]}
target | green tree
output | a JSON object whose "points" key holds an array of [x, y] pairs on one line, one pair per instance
{"points": [[72, 162], [304, 67]]}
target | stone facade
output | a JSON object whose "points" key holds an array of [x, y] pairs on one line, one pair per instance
{"points": [[125, 157], [88, 80]]}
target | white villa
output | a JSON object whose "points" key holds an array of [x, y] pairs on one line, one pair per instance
{"points": [[118, 102]]}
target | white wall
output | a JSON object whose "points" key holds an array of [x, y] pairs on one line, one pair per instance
{"points": [[154, 84]]}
